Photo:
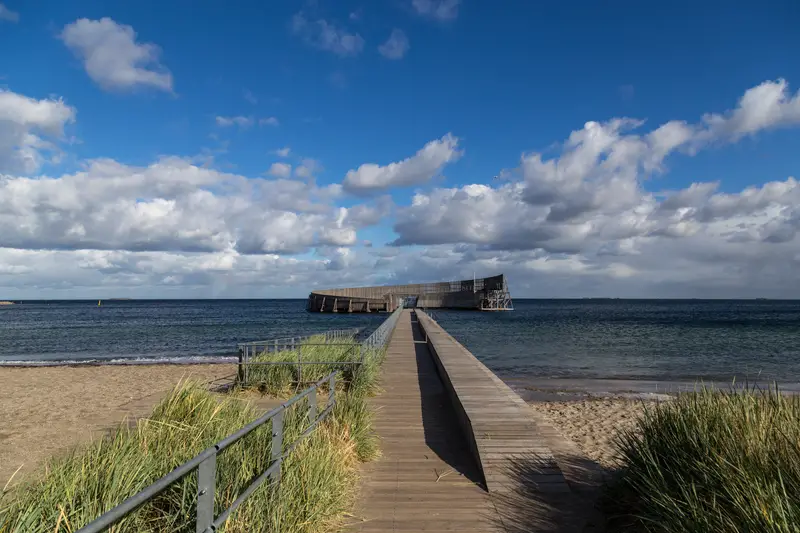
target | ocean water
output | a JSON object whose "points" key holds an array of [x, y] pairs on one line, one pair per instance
{"points": [[138, 331], [667, 340]]}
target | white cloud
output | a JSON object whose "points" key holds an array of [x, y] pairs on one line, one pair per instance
{"points": [[280, 170], [417, 169], [242, 122], [171, 205], [26, 124], [437, 9], [113, 58], [326, 36], [584, 214], [282, 152], [769, 105], [307, 168], [268, 121], [8, 15], [396, 46]]}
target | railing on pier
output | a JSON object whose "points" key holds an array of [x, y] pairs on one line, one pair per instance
{"points": [[346, 352], [206, 465]]}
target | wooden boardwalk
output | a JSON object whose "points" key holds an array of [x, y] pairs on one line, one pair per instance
{"points": [[495, 422], [428, 478]]}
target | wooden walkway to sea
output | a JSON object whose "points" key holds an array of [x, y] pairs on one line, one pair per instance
{"points": [[461, 451]]}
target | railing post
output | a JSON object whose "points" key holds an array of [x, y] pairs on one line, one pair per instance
{"points": [[206, 485], [312, 405], [277, 445], [246, 364], [332, 390], [240, 372], [300, 366]]}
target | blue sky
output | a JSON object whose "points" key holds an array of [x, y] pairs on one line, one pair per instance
{"points": [[166, 90]]}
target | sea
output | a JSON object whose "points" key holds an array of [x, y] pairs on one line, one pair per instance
{"points": [[553, 341]]}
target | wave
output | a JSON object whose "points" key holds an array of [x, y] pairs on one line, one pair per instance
{"points": [[185, 360]]}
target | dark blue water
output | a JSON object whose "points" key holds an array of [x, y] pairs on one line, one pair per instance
{"points": [[671, 340], [156, 330], [610, 339]]}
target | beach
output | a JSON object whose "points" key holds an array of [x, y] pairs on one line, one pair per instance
{"points": [[593, 424], [46, 410]]}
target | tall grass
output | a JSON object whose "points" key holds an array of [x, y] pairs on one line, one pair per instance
{"points": [[713, 461], [317, 484], [326, 355]]}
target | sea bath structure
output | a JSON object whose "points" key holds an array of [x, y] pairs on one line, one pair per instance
{"points": [[483, 294]]}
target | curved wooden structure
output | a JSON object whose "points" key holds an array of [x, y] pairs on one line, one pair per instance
{"points": [[484, 294]]}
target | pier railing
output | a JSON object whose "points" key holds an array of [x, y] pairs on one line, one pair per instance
{"points": [[308, 356], [206, 465]]}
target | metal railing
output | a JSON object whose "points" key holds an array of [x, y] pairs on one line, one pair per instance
{"points": [[351, 353], [342, 340], [206, 465], [383, 333]]}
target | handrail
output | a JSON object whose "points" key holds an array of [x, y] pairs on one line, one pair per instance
{"points": [[206, 464], [330, 334], [380, 337]]}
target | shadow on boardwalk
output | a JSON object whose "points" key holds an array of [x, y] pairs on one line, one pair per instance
{"points": [[442, 432], [526, 508]]}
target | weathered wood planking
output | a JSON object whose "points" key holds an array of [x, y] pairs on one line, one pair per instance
{"points": [[496, 423], [426, 479]]}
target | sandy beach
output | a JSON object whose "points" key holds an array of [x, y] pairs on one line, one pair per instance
{"points": [[46, 410], [593, 423]]}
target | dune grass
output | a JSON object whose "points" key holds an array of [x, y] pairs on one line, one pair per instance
{"points": [[327, 355], [344, 355], [317, 486], [712, 461]]}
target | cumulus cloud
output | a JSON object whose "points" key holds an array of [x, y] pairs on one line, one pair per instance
{"points": [[437, 9], [113, 58], [585, 211], [242, 122], [280, 170], [417, 169], [769, 105], [28, 129], [323, 35], [8, 15], [171, 205], [268, 121], [395, 46], [282, 152], [307, 168]]}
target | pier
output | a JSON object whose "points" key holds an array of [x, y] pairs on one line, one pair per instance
{"points": [[483, 294], [461, 450]]}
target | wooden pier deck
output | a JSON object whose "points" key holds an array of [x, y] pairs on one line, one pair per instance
{"points": [[428, 478]]}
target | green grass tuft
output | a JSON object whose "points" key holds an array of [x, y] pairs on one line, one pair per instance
{"points": [[317, 485], [713, 461]]}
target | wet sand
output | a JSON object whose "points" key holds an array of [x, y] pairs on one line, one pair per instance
{"points": [[47, 410]]}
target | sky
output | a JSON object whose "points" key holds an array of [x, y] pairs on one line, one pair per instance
{"points": [[266, 149]]}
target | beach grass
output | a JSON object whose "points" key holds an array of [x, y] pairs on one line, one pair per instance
{"points": [[317, 487], [711, 461], [320, 356], [355, 364]]}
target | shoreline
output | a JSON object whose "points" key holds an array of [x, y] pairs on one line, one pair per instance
{"points": [[575, 389], [222, 359]]}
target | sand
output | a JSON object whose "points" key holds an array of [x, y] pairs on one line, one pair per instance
{"points": [[592, 424], [46, 410]]}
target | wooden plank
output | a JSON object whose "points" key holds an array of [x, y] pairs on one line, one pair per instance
{"points": [[494, 420]]}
